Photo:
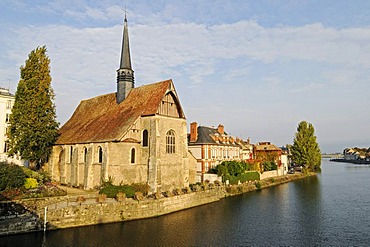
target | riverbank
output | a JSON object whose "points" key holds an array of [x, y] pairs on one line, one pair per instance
{"points": [[70, 211], [358, 162]]}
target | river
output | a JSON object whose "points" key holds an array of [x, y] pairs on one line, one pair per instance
{"points": [[332, 208]]}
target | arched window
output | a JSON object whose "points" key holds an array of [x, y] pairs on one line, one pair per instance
{"points": [[100, 155], [170, 142], [145, 138], [70, 154], [132, 155], [85, 154]]}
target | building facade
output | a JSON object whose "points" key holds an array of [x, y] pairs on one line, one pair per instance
{"points": [[210, 146], [266, 151], [135, 135], [6, 104]]}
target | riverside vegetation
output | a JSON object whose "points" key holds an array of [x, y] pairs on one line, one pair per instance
{"points": [[19, 182]]}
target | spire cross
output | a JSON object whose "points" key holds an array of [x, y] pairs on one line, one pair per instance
{"points": [[125, 10]]}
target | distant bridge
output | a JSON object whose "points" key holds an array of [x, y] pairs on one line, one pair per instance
{"points": [[332, 156]]}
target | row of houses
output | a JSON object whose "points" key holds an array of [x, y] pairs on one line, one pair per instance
{"points": [[213, 145], [356, 154]]}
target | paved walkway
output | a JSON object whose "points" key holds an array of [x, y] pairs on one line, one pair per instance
{"points": [[75, 192]]}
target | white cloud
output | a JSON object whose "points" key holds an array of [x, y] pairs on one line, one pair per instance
{"points": [[84, 61]]}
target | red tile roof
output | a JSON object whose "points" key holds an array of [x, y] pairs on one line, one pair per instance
{"points": [[101, 119]]}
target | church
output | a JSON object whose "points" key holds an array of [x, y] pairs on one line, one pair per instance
{"points": [[134, 135]]}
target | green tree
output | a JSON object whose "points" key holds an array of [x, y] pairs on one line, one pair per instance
{"points": [[305, 149], [33, 127]]}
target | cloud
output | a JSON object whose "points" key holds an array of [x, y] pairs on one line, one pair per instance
{"points": [[240, 63]]}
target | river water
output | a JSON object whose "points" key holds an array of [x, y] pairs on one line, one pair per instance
{"points": [[332, 208]]}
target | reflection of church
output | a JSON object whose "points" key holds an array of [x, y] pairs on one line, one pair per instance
{"points": [[136, 135]]}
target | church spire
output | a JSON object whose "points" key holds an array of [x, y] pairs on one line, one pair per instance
{"points": [[125, 74]]}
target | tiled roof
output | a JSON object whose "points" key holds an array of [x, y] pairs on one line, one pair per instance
{"points": [[267, 147], [101, 119], [205, 137]]}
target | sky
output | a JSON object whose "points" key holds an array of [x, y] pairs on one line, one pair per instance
{"points": [[257, 67]]}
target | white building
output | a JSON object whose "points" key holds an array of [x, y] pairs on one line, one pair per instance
{"points": [[6, 104]]}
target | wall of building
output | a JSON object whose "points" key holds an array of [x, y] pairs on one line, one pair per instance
{"points": [[153, 165], [6, 104]]}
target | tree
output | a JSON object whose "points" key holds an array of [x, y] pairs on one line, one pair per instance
{"points": [[305, 149], [33, 127]]}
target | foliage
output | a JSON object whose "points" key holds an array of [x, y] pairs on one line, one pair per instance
{"points": [[33, 127], [258, 185], [129, 190], [21, 182], [12, 176], [269, 165], [235, 171], [30, 183], [305, 149]]}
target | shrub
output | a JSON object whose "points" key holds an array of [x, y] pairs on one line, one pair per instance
{"points": [[12, 176], [112, 190], [10, 194], [30, 183], [269, 165], [258, 185]]}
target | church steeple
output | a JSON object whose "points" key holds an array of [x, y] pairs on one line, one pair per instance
{"points": [[125, 74]]}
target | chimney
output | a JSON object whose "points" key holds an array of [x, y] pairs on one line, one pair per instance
{"points": [[193, 132], [220, 129]]}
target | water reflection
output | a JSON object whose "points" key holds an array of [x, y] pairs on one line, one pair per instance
{"points": [[329, 209]]}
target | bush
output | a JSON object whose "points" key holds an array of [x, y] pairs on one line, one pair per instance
{"points": [[12, 176], [269, 165], [129, 190], [258, 185], [30, 183], [112, 190]]}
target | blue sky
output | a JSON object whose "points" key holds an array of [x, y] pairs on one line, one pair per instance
{"points": [[257, 67]]}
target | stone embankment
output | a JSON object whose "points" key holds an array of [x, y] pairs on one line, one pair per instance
{"points": [[70, 211]]}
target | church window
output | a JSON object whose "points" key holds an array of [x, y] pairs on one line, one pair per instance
{"points": [[100, 154], [70, 154], [145, 138], [132, 155], [85, 154], [170, 142]]}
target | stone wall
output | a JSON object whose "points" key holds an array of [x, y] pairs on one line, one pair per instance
{"points": [[268, 174], [91, 213], [67, 211]]}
